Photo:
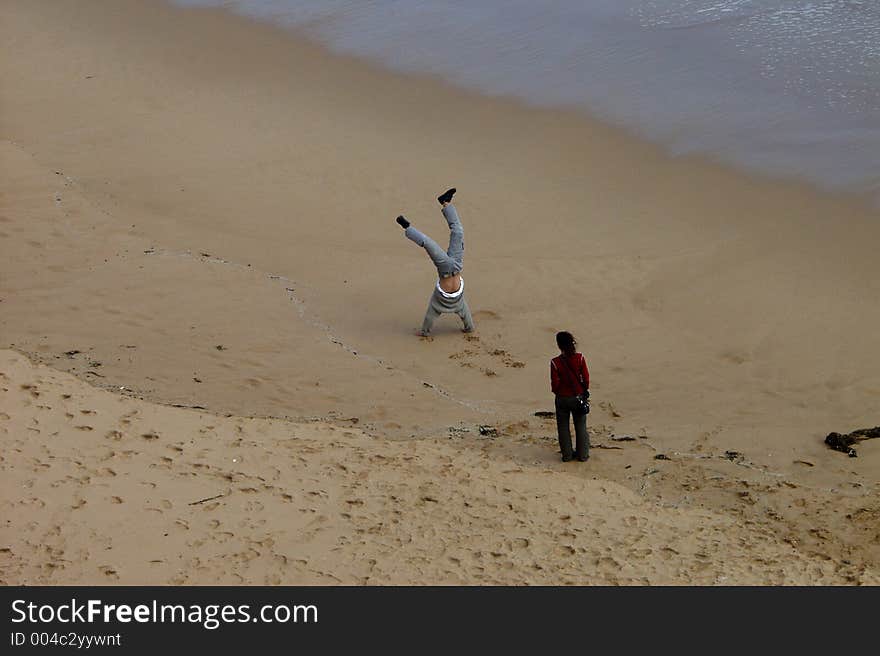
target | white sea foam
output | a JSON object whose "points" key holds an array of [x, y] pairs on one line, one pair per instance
{"points": [[784, 87]]}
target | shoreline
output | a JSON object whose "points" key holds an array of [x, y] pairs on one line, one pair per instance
{"points": [[656, 151], [311, 33], [209, 227]]}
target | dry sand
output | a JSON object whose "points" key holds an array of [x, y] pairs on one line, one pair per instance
{"points": [[112, 489], [197, 210]]}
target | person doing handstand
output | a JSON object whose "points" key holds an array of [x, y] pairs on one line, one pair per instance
{"points": [[448, 294]]}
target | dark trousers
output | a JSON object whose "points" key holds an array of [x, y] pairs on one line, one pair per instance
{"points": [[566, 407]]}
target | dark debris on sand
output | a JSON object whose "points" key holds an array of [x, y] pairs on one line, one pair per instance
{"points": [[844, 443]]}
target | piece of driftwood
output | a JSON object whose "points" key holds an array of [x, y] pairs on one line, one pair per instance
{"points": [[844, 443], [206, 499]]}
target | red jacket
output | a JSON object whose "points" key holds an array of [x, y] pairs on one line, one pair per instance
{"points": [[569, 375]]}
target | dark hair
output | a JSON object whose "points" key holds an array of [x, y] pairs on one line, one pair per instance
{"points": [[566, 342]]}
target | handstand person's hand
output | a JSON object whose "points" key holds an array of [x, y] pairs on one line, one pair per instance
{"points": [[403, 222]]}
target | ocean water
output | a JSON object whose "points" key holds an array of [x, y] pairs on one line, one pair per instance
{"points": [[788, 88]]}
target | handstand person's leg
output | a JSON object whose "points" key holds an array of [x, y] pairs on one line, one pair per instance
{"points": [[465, 314], [430, 317], [456, 234], [438, 255]]}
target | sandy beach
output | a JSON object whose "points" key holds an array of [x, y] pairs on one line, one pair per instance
{"points": [[198, 211]]}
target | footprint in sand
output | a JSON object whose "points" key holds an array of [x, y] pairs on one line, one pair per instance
{"points": [[471, 351], [477, 349], [468, 352], [734, 357], [28, 387], [506, 358]]}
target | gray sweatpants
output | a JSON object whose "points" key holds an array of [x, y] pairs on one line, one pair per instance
{"points": [[450, 260]]}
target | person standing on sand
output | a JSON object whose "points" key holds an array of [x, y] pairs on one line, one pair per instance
{"points": [[448, 294], [570, 379]]}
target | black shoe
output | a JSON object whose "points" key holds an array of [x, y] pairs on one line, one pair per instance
{"points": [[446, 197], [583, 459], [403, 222], [566, 458]]}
